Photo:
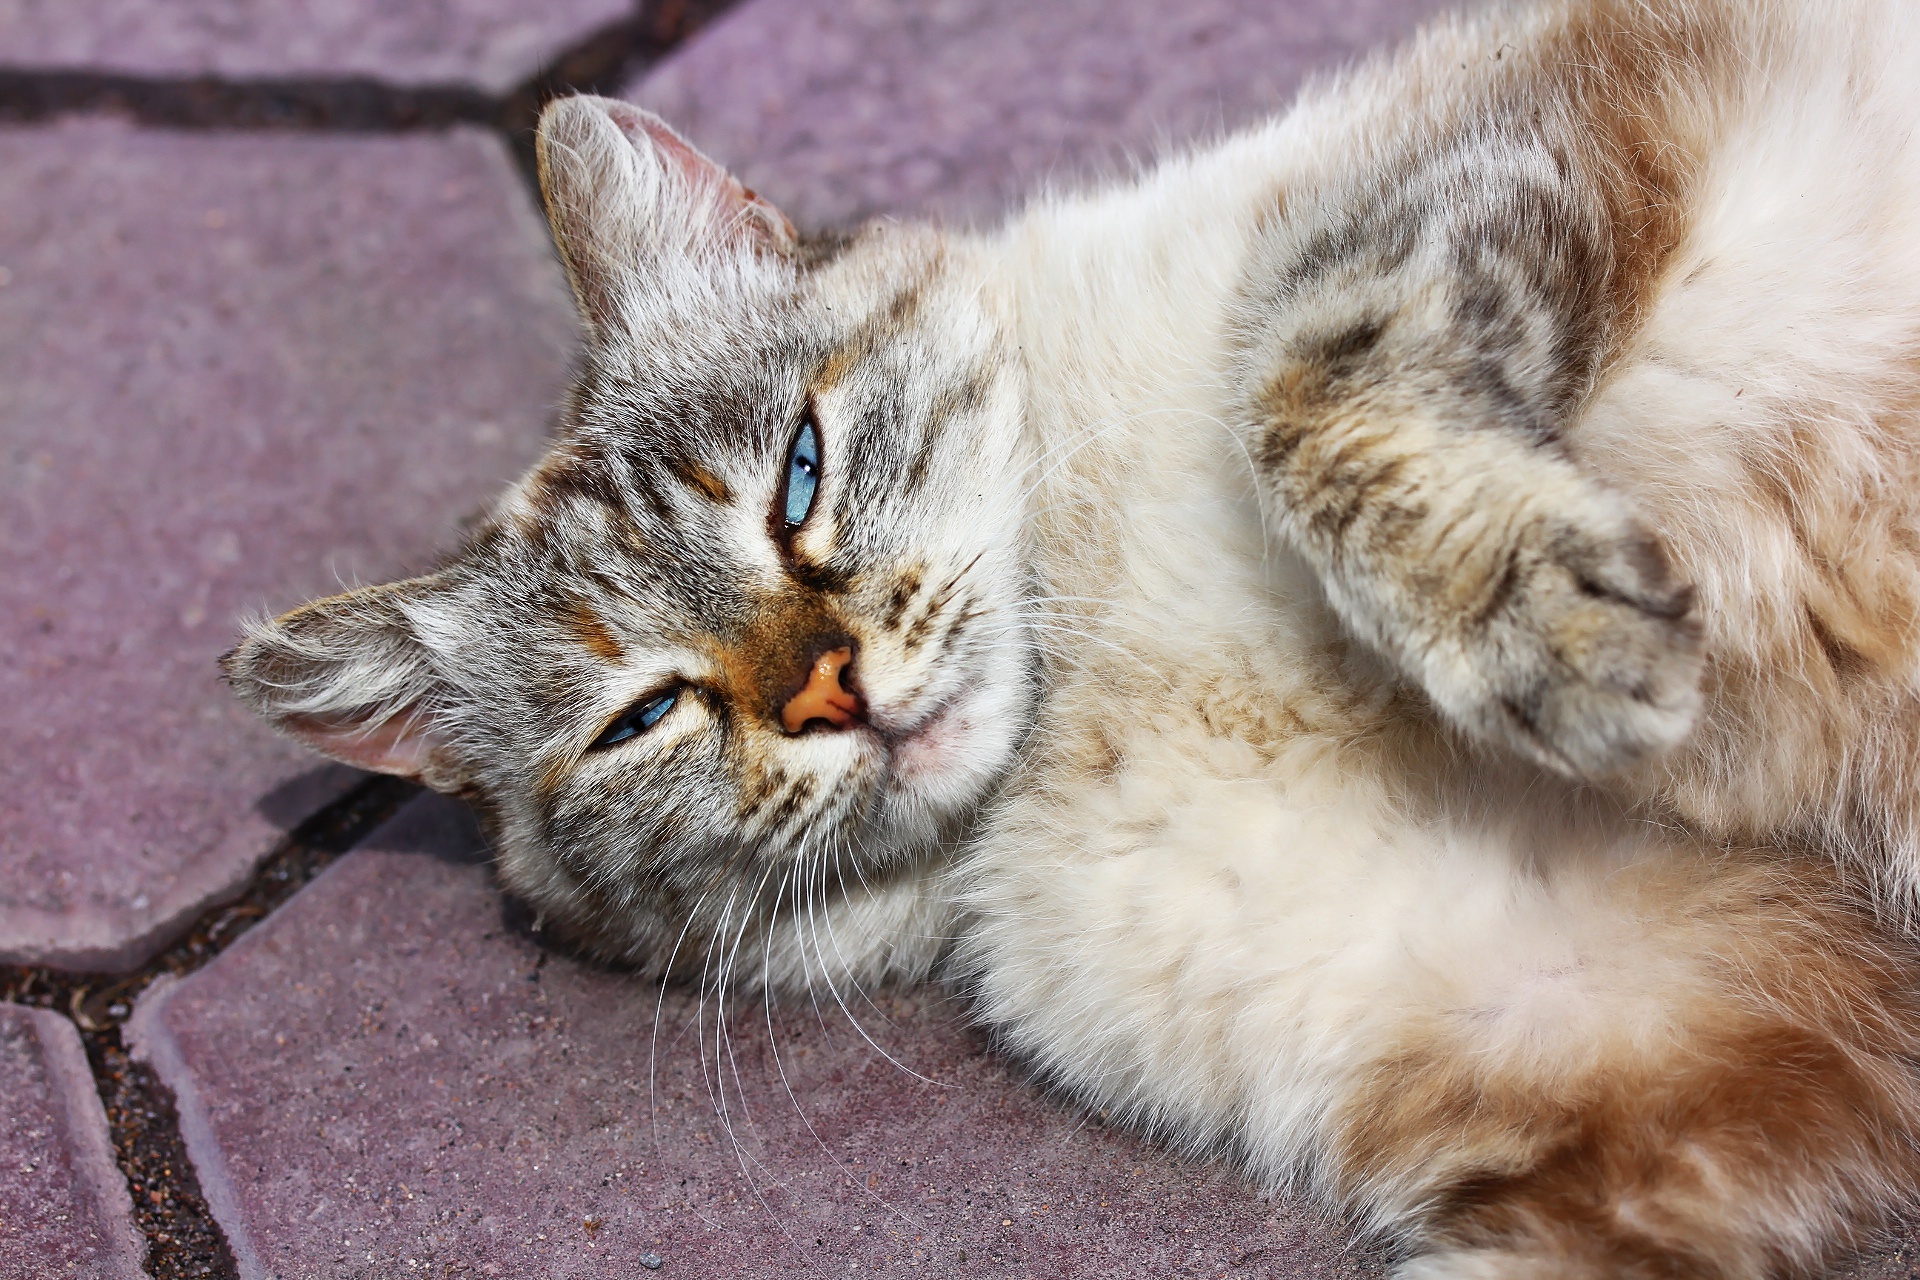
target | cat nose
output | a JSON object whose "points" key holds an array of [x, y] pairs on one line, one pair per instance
{"points": [[825, 695]]}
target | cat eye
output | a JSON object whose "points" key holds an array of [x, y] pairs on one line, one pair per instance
{"points": [[636, 720], [803, 475]]}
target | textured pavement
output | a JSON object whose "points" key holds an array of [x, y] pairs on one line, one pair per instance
{"points": [[393, 1077], [838, 110], [239, 368], [235, 371], [63, 1205], [490, 45]]}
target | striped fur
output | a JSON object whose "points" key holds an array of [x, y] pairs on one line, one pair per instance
{"points": [[1387, 643]]}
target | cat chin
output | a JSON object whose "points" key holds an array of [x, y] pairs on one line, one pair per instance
{"points": [[924, 755], [947, 757]]}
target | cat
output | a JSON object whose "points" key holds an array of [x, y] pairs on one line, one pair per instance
{"points": [[1383, 646]]}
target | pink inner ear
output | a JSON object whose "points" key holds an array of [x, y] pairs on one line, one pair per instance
{"points": [[763, 221], [400, 745]]}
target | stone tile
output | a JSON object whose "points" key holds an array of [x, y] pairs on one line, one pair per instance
{"points": [[235, 371], [1901, 1263], [386, 1079], [64, 1210], [490, 45], [842, 109]]}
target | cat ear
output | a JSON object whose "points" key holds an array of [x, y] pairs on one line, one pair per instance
{"points": [[624, 192], [349, 677]]}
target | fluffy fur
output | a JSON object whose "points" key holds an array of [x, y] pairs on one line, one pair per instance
{"points": [[1387, 644]]}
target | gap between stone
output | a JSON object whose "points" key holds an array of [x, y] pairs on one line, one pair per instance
{"points": [[600, 63], [184, 1242]]}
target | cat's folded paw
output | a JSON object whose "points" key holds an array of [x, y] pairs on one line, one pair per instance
{"points": [[1583, 652]]}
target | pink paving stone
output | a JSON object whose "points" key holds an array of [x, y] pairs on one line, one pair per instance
{"points": [[235, 371], [842, 109], [486, 44], [386, 1076], [64, 1210]]}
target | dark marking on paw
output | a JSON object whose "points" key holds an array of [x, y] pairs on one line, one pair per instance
{"points": [[1505, 587], [1525, 714], [1352, 492], [1340, 352], [1275, 447]]}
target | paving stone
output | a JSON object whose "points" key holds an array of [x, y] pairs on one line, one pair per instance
{"points": [[235, 371], [388, 1078], [838, 110], [1900, 1263], [64, 1210], [491, 45]]}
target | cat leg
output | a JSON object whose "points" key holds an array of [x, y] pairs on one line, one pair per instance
{"points": [[1738, 1098], [1403, 396], [1424, 319]]}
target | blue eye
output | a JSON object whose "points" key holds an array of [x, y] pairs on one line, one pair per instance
{"points": [[803, 475], [639, 718]]}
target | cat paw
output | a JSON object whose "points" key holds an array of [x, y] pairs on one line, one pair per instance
{"points": [[1583, 650]]}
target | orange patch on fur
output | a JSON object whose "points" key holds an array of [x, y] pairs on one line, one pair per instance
{"points": [[594, 635], [764, 665], [701, 480], [1644, 84], [1783, 1104]]}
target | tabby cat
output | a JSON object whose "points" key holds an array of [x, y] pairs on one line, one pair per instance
{"points": [[1385, 646]]}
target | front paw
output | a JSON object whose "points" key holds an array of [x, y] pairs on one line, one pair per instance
{"points": [[1581, 649]]}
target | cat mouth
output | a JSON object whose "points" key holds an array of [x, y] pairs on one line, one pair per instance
{"points": [[925, 747]]}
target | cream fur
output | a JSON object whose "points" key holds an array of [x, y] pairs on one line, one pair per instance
{"points": [[1213, 929], [1213, 813]]}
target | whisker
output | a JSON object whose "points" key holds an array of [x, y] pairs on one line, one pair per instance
{"points": [[724, 1043], [653, 1042], [799, 1109], [849, 972]]}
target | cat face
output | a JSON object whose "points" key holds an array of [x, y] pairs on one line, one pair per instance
{"points": [[754, 623]]}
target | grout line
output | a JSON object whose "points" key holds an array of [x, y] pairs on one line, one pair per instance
{"points": [[598, 63], [356, 104], [184, 1241]]}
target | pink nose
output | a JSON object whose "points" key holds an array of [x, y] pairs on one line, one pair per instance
{"points": [[824, 697]]}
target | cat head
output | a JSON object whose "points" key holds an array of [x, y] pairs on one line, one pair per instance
{"points": [[753, 624]]}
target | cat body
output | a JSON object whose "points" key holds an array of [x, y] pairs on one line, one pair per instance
{"points": [[1443, 937], [1383, 647]]}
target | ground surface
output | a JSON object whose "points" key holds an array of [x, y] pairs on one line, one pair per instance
{"points": [[277, 311]]}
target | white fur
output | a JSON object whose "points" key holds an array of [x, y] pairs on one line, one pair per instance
{"points": [[1214, 938]]}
